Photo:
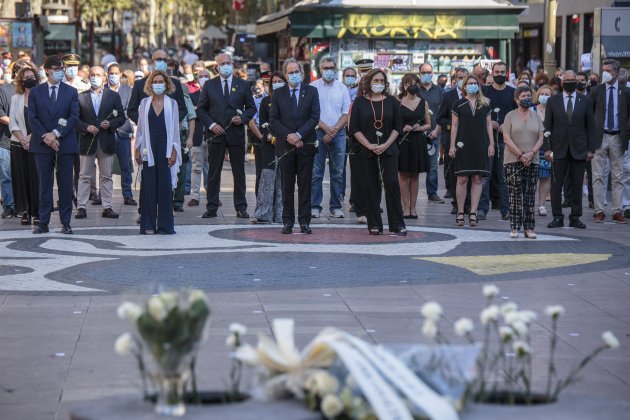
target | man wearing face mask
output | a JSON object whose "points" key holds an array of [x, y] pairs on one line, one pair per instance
{"points": [[502, 102], [6, 62], [293, 118], [444, 119], [53, 110], [71, 63], [225, 107], [569, 118], [123, 134], [334, 102], [100, 114], [611, 105], [432, 95]]}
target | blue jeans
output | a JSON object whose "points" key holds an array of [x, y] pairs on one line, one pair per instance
{"points": [[6, 187], [123, 152], [432, 175], [495, 161], [186, 170], [335, 151]]}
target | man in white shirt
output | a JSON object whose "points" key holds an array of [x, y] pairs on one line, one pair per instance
{"points": [[334, 101]]}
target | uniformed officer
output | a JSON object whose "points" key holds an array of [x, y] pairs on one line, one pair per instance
{"points": [[364, 66], [71, 63]]}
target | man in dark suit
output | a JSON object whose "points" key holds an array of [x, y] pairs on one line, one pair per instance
{"points": [[123, 134], [293, 118], [100, 114], [225, 107], [569, 118], [53, 110], [444, 119], [611, 105]]}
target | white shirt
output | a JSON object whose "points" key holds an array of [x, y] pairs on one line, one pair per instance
{"points": [[190, 58], [565, 96], [229, 82], [334, 100], [615, 106], [56, 89], [96, 100]]}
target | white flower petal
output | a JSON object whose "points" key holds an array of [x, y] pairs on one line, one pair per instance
{"points": [[431, 310], [464, 326], [521, 348], [490, 290], [489, 314], [429, 328], [331, 406], [554, 311], [610, 340], [124, 344], [130, 311], [236, 328]]}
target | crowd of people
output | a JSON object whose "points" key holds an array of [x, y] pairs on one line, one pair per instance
{"points": [[504, 144]]}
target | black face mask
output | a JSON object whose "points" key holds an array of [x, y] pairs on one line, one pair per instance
{"points": [[442, 85], [29, 83], [526, 103], [413, 90], [569, 86], [581, 85], [592, 83], [499, 80]]}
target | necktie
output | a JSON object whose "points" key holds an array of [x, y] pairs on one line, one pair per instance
{"points": [[570, 107], [294, 101], [226, 90], [53, 94], [610, 109]]}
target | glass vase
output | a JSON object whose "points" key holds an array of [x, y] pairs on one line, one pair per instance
{"points": [[170, 397]]}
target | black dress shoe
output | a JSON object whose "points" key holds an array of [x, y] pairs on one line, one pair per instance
{"points": [[209, 214], [242, 214], [305, 229], [66, 230], [41, 228], [481, 215], [557, 222], [97, 202], [287, 229], [178, 209], [626, 213], [8, 212], [130, 202], [81, 214], [577, 223], [109, 213]]}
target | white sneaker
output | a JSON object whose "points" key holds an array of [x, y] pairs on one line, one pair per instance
{"points": [[542, 211], [362, 220], [315, 213], [337, 214]]}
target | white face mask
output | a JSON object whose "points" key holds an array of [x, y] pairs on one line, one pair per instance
{"points": [[378, 87], [190, 77], [606, 77]]}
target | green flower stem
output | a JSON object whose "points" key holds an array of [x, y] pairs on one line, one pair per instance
{"points": [[574, 373], [551, 372]]}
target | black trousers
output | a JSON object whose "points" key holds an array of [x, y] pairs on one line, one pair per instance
{"points": [[296, 166], [375, 179], [258, 162], [448, 172], [49, 165], [216, 153], [574, 170], [357, 198], [567, 184]]}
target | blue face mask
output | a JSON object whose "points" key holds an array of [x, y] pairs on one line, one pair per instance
{"points": [[96, 82], [328, 75], [351, 80], [460, 84], [295, 78], [72, 72], [114, 79], [57, 75], [160, 65], [426, 79], [543, 99], [158, 88], [277, 85], [226, 70], [472, 89]]}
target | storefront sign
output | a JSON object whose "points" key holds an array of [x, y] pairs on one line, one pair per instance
{"points": [[405, 26], [615, 32]]}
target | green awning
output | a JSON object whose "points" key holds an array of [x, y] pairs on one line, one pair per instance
{"points": [[61, 32]]}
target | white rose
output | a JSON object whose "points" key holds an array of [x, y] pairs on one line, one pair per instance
{"points": [[520, 328], [554, 311], [610, 340], [230, 341], [490, 290], [62, 122], [170, 299], [316, 143], [505, 333], [331, 406], [429, 328], [351, 382], [239, 112], [460, 144], [236, 328], [379, 134], [521, 348], [156, 308], [130, 311], [144, 151], [115, 113], [123, 344], [507, 308], [547, 133], [528, 316], [491, 313], [431, 310], [265, 125], [464, 326], [323, 383], [195, 295], [497, 110]]}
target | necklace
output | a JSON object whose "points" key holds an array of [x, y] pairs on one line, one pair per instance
{"points": [[378, 124]]}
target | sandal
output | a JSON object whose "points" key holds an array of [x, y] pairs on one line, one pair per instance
{"points": [[472, 222], [459, 220], [26, 220], [401, 232], [529, 234], [375, 231]]}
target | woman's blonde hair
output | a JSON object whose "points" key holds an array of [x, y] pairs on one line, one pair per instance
{"points": [[481, 99], [170, 86], [537, 93], [131, 78], [19, 78]]}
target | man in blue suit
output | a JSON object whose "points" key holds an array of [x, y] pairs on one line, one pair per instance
{"points": [[293, 118], [52, 112]]}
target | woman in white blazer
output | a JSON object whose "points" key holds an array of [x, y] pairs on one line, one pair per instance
{"points": [[23, 169], [157, 150]]}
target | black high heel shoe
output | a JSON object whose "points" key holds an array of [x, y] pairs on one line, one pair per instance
{"points": [[26, 220]]}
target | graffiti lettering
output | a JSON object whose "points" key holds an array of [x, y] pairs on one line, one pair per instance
{"points": [[401, 26]]}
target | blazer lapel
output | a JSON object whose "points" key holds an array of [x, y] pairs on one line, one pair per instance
{"points": [[302, 93], [103, 107]]}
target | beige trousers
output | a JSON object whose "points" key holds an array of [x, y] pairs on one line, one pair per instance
{"points": [[88, 172], [610, 151]]}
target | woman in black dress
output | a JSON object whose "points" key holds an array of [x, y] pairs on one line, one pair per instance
{"points": [[23, 171], [269, 195], [471, 131], [414, 157], [375, 123]]}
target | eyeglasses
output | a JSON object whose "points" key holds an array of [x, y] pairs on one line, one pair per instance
{"points": [[161, 59], [328, 68], [426, 72]]}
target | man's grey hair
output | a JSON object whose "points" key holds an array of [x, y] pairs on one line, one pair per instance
{"points": [[568, 73], [327, 59], [289, 61], [612, 62], [426, 64], [623, 75]]}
